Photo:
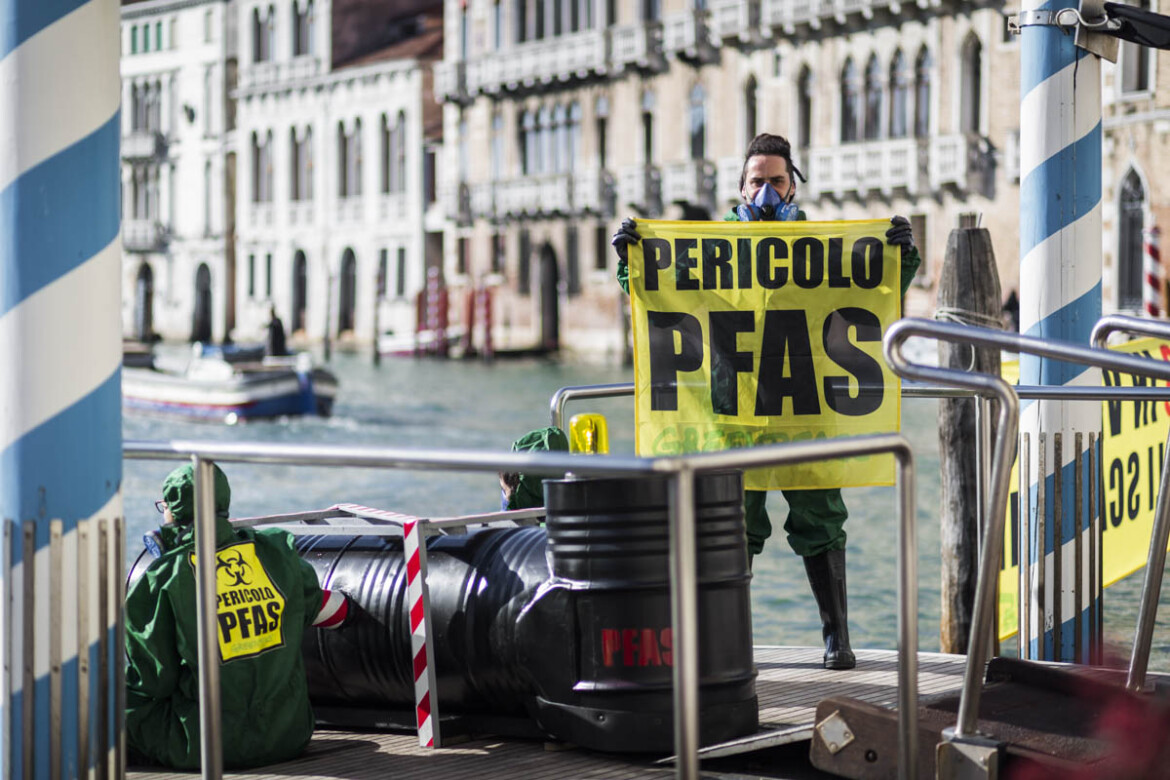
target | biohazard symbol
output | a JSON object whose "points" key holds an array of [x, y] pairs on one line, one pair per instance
{"points": [[232, 570]]}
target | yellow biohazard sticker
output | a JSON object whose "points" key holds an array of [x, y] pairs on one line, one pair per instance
{"points": [[249, 605]]}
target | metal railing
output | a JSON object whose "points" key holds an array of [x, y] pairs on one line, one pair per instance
{"points": [[982, 622], [681, 472], [1160, 534]]}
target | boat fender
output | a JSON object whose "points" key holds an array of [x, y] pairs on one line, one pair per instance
{"points": [[154, 544]]}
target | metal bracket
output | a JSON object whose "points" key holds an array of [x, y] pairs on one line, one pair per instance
{"points": [[971, 757], [835, 732], [1089, 24], [1093, 36]]}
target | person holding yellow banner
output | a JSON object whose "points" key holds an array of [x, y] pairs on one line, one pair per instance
{"points": [[816, 518]]}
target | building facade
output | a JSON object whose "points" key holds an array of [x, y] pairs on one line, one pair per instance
{"points": [[178, 72], [338, 134], [1136, 145], [570, 115]]}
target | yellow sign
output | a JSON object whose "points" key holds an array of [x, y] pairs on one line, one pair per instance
{"points": [[1133, 440], [1133, 447], [750, 333], [249, 605]]}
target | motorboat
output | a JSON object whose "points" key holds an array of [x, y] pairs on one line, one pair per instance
{"points": [[213, 386]]}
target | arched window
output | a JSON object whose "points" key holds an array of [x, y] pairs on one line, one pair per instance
{"points": [[698, 122], [899, 95], [971, 92], [497, 151], [574, 135], [873, 99], [347, 292], [544, 148], [602, 113], [648, 103], [804, 88], [560, 146], [527, 143], [850, 102], [342, 162], [922, 68], [1129, 237], [750, 110]]}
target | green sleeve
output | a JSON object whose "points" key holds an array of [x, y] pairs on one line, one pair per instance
{"points": [[623, 275], [910, 262], [152, 653]]}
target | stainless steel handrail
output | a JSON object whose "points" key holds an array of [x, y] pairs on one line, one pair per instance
{"points": [[684, 589], [982, 619], [1143, 637], [562, 396]]}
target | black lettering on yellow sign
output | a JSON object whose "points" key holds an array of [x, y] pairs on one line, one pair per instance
{"points": [[787, 370], [808, 262], [249, 604]]}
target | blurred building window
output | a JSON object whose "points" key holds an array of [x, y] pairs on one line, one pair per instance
{"points": [[750, 110], [873, 99], [1135, 61], [804, 108], [698, 122], [971, 108], [850, 102], [922, 68], [899, 95]]}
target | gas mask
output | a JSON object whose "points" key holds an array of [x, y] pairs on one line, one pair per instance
{"points": [[766, 206]]}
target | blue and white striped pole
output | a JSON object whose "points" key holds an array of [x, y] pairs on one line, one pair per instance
{"points": [[60, 389], [1060, 298]]}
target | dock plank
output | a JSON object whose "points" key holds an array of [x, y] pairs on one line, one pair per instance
{"points": [[790, 684]]}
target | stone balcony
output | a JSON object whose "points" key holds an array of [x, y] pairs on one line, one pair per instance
{"points": [[541, 63], [534, 196], [594, 192], [261, 75], [637, 47], [144, 145], [685, 35], [864, 167], [451, 82], [883, 167], [736, 20], [689, 181], [640, 188], [144, 235], [300, 213], [392, 207], [793, 15], [260, 214]]}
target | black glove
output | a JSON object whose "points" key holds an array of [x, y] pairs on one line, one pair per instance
{"points": [[626, 234], [900, 234]]}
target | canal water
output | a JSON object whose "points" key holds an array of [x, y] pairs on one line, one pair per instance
{"points": [[472, 405]]}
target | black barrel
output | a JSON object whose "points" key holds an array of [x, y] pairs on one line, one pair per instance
{"points": [[472, 578], [609, 549]]}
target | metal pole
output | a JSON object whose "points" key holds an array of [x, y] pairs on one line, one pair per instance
{"points": [[1060, 259], [211, 744], [60, 399], [907, 620], [1152, 587], [684, 616]]}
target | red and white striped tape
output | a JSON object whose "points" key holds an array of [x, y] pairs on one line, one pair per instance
{"points": [[424, 677], [1152, 272]]}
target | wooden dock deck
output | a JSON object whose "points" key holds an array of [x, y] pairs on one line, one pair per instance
{"points": [[791, 682]]}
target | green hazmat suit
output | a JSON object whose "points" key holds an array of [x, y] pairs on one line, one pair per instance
{"points": [[816, 518], [266, 597]]}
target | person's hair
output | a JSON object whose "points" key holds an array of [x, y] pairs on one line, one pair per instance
{"points": [[768, 144]]}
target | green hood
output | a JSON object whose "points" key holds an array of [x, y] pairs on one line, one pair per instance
{"points": [[178, 491]]}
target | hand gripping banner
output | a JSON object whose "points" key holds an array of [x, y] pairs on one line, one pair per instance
{"points": [[750, 333]]}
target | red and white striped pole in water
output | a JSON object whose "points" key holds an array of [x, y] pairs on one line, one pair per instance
{"points": [[1152, 272]]}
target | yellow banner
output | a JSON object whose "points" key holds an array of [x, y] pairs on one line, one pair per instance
{"points": [[1133, 446], [751, 333], [1133, 440]]}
